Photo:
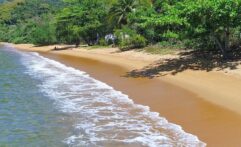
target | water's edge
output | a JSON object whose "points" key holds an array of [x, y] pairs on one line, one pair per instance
{"points": [[101, 115]]}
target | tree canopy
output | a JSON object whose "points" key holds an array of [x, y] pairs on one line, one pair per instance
{"points": [[200, 24]]}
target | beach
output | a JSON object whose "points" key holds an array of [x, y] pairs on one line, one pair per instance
{"points": [[206, 104]]}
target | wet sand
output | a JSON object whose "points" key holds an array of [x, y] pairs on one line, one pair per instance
{"points": [[214, 124]]}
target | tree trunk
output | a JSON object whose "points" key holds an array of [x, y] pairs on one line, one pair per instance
{"points": [[221, 47], [77, 43], [227, 39]]}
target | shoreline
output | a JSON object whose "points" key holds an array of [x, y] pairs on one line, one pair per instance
{"points": [[174, 97], [223, 88]]}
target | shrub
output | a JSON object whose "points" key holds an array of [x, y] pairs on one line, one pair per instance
{"points": [[102, 42], [129, 39], [44, 34], [138, 41]]}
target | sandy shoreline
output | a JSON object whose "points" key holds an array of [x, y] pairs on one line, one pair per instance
{"points": [[183, 99], [219, 87]]}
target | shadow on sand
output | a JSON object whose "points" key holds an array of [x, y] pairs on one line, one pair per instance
{"points": [[194, 60]]}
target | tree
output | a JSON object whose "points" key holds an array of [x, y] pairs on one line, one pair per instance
{"points": [[81, 20], [119, 11], [214, 20], [45, 32], [20, 20], [160, 22]]}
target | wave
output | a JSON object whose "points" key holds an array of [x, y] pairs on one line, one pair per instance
{"points": [[103, 115]]}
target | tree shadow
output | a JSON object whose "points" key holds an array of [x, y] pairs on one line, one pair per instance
{"points": [[193, 60]]}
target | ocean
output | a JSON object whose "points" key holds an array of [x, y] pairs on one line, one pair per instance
{"points": [[46, 103]]}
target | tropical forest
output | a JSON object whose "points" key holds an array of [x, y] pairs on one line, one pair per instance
{"points": [[206, 25]]}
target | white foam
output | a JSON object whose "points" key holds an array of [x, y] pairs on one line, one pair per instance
{"points": [[104, 115]]}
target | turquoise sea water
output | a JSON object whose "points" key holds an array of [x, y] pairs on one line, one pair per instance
{"points": [[44, 103]]}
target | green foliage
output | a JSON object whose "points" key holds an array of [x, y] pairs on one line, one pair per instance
{"points": [[44, 33], [26, 21], [81, 20], [102, 42], [3, 34], [138, 41], [159, 22], [6, 10], [120, 11], [200, 24], [129, 39], [212, 21]]}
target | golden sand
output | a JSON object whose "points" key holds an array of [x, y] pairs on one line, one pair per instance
{"points": [[206, 104]]}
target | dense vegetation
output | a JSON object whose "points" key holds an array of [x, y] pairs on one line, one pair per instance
{"points": [[30, 21], [199, 24]]}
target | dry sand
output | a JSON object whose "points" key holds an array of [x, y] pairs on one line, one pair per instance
{"points": [[207, 104]]}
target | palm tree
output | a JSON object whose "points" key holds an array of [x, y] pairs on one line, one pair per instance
{"points": [[120, 11]]}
